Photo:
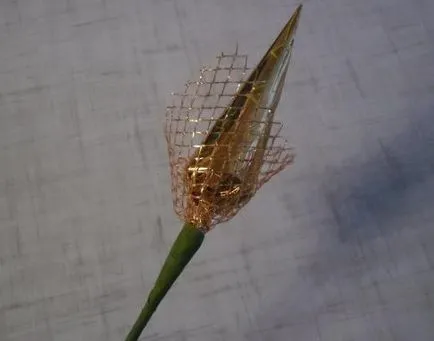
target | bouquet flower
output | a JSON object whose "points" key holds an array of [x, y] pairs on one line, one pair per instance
{"points": [[223, 144]]}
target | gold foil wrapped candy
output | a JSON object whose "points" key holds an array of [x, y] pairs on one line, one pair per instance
{"points": [[222, 139]]}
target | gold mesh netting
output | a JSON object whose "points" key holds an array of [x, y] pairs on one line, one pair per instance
{"points": [[218, 158]]}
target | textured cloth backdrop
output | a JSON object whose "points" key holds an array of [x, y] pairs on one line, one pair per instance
{"points": [[337, 248]]}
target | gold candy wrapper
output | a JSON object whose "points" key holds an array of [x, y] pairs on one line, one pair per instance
{"points": [[223, 141]]}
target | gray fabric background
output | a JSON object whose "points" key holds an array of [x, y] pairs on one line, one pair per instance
{"points": [[337, 248]]}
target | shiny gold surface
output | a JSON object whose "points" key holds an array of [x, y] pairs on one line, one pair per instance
{"points": [[222, 138]]}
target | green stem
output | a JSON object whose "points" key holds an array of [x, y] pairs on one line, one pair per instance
{"points": [[183, 249]]}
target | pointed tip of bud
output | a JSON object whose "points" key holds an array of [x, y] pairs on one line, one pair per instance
{"points": [[285, 38], [290, 28], [297, 12], [278, 51], [299, 8]]}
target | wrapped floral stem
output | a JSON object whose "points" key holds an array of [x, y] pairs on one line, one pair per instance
{"points": [[185, 246], [223, 144]]}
